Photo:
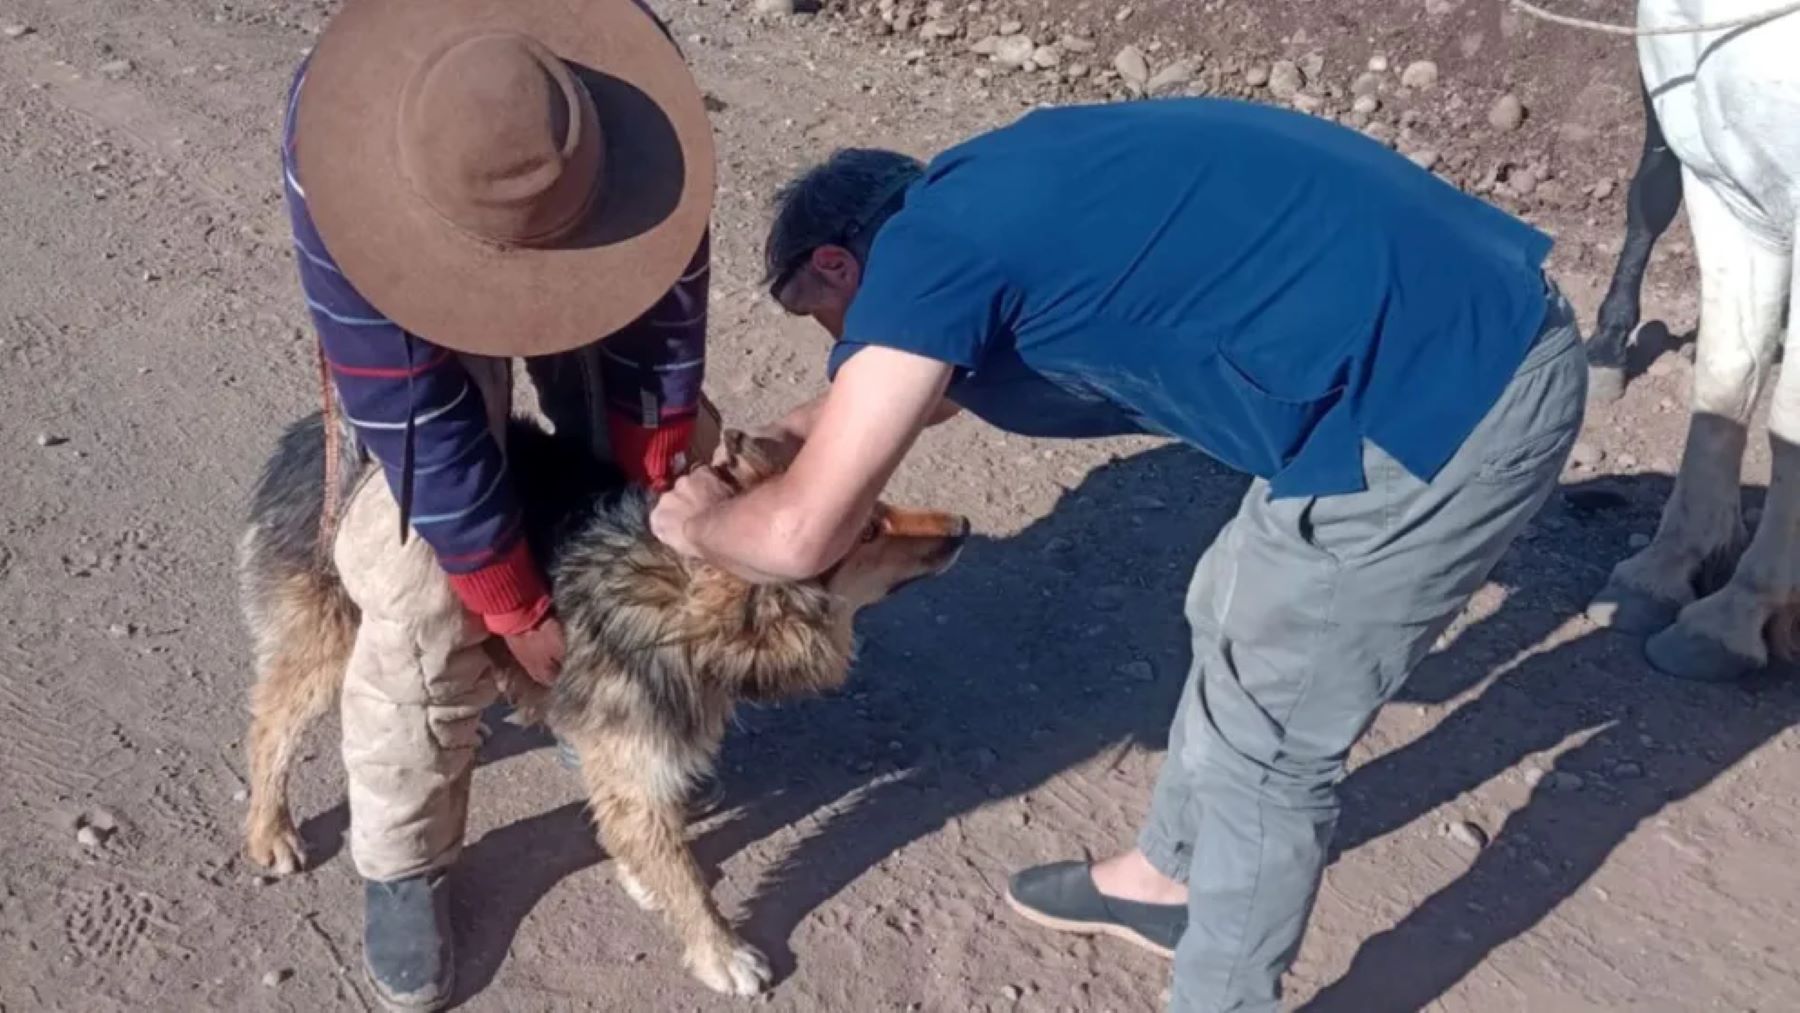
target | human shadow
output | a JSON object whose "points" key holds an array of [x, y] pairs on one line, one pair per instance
{"points": [[1636, 742], [1038, 652]]}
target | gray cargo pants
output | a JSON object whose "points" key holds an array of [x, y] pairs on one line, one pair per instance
{"points": [[1308, 615]]}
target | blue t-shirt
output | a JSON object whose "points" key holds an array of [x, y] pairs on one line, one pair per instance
{"points": [[1267, 286]]}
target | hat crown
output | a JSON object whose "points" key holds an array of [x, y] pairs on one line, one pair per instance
{"points": [[500, 140]]}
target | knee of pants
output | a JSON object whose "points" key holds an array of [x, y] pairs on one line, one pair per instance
{"points": [[1244, 767]]}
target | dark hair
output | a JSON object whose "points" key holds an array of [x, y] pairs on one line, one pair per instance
{"points": [[842, 201]]}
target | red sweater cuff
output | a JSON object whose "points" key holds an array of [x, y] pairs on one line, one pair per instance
{"points": [[509, 595], [655, 457]]}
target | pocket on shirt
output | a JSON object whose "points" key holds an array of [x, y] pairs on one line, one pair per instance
{"points": [[1265, 428]]}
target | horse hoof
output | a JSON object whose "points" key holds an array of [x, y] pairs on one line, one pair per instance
{"points": [[1606, 384], [1684, 654], [1629, 610]]}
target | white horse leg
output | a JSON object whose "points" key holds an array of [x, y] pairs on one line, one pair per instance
{"points": [[1743, 283], [1725, 635]]}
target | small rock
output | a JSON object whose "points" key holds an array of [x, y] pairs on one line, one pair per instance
{"points": [[1174, 75], [1603, 189], [1425, 158], [118, 631], [1307, 103], [1563, 780], [937, 30], [1366, 105], [1014, 50], [1046, 56], [1256, 76], [240, 796], [1141, 671], [1467, 834], [50, 440], [116, 69], [1132, 66], [985, 45], [274, 978], [1312, 65], [16, 31], [1011, 27], [1365, 84], [1419, 75], [1012, 993], [1124, 14], [1628, 770], [1286, 79], [1076, 71], [1522, 182], [90, 837], [1378, 63], [104, 820], [1586, 455], [1638, 540], [1076, 44], [1507, 113]]}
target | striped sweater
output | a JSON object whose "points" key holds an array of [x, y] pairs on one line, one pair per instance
{"points": [[463, 503]]}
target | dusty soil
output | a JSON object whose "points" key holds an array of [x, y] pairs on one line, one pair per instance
{"points": [[1631, 838]]}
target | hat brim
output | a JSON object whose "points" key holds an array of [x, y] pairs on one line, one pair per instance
{"points": [[453, 288]]}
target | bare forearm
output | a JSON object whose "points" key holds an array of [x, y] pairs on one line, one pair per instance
{"points": [[798, 424], [758, 538]]}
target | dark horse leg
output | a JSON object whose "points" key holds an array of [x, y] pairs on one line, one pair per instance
{"points": [[1655, 197]]}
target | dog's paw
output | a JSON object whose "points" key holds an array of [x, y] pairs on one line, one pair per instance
{"points": [[734, 968], [276, 848], [634, 888]]}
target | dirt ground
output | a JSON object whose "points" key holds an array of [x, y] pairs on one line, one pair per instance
{"points": [[1539, 824]]}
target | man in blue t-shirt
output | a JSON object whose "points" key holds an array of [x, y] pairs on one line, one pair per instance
{"points": [[1382, 353]]}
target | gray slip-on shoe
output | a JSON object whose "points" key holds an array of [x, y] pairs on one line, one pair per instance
{"points": [[1062, 896], [407, 953]]}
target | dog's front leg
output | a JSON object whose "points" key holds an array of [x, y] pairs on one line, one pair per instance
{"points": [[643, 822]]}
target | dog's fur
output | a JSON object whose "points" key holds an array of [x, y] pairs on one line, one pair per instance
{"points": [[659, 651]]}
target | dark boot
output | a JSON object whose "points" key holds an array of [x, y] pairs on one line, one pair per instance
{"points": [[407, 953]]}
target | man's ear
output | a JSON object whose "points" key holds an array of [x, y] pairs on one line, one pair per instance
{"points": [[837, 265]]}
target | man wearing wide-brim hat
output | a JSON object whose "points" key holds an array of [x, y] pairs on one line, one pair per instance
{"points": [[469, 182]]}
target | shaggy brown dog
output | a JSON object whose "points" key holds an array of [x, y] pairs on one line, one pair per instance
{"points": [[660, 649]]}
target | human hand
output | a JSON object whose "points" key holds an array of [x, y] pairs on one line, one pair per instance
{"points": [[540, 649], [692, 494]]}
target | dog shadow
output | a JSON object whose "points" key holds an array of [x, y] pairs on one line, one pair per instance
{"points": [[1029, 659]]}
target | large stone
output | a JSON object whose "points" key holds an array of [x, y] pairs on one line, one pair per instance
{"points": [[1286, 79], [1419, 75], [1132, 67]]}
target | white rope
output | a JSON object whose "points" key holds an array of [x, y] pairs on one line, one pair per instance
{"points": [[1637, 31]]}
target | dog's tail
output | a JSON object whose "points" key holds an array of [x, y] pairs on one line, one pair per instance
{"points": [[302, 625]]}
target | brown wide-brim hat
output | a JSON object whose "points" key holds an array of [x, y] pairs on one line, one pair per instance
{"points": [[505, 178]]}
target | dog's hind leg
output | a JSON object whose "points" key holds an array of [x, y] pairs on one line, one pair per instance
{"points": [[303, 632], [638, 803]]}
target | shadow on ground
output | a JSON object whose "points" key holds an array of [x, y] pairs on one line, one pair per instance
{"points": [[1030, 657]]}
